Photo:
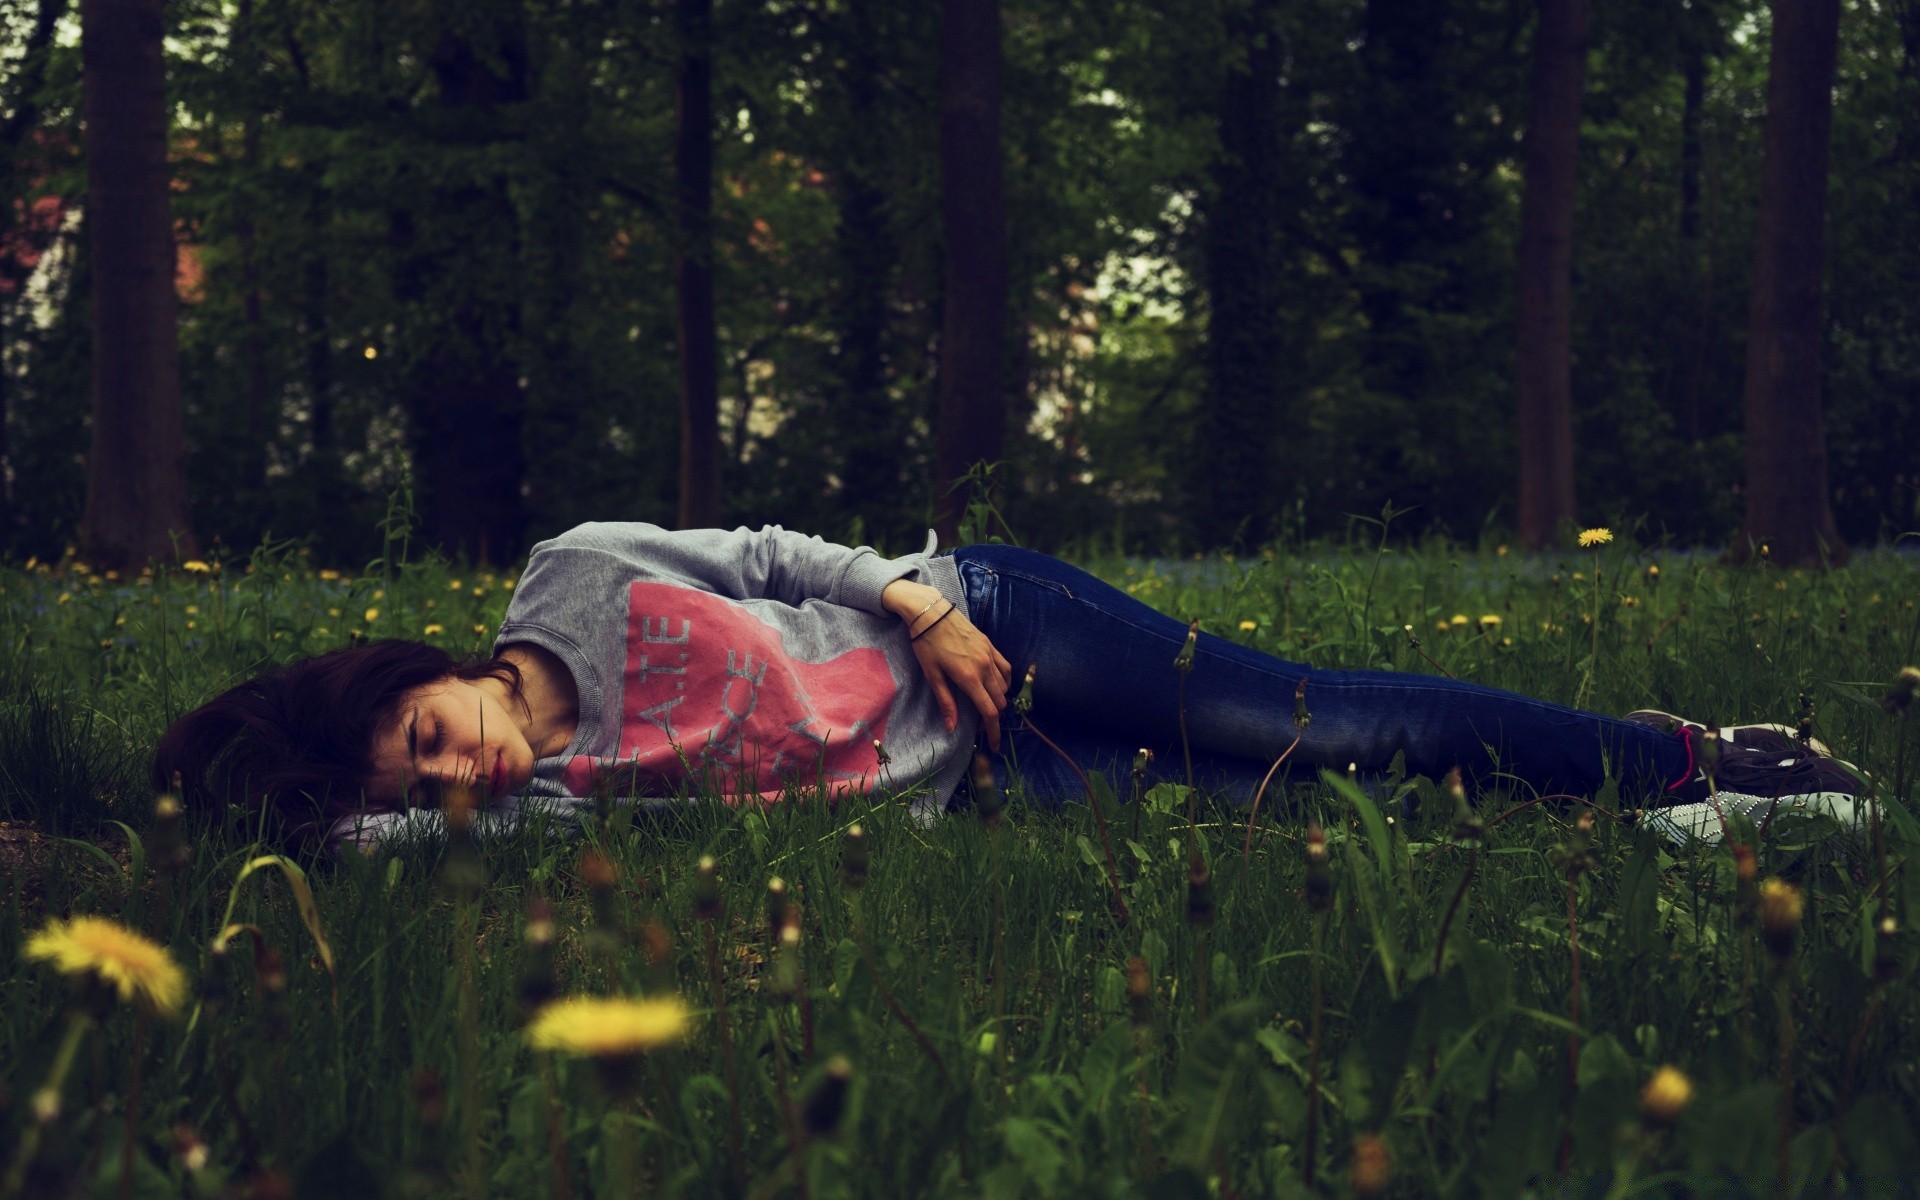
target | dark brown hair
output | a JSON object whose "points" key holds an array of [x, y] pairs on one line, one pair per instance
{"points": [[297, 741]]}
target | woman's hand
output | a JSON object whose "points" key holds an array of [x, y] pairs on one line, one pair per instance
{"points": [[953, 654]]}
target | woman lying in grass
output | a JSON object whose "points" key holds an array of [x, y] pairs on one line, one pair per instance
{"points": [[646, 663]]}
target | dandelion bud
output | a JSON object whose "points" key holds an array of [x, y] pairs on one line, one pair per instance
{"points": [[706, 890], [854, 858], [656, 943], [1301, 717], [1372, 1165], [1781, 906], [828, 1103], [1653, 574], [598, 875], [1139, 992], [1583, 824], [787, 979], [1709, 751], [170, 850], [778, 905], [212, 986], [880, 753], [1183, 661], [1023, 703], [988, 802], [1900, 694], [1199, 891], [1142, 763], [429, 1097], [1665, 1097], [187, 1146], [269, 970], [536, 977], [1884, 962], [1319, 873]]}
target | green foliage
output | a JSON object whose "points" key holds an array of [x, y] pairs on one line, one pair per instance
{"points": [[1457, 1057], [374, 200]]}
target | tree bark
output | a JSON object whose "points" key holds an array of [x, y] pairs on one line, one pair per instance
{"points": [[862, 417], [136, 467], [973, 215], [1544, 302], [693, 269], [1235, 465], [253, 321], [1789, 506], [470, 409]]}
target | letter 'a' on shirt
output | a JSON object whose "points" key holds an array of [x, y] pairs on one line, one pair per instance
{"points": [[742, 662]]}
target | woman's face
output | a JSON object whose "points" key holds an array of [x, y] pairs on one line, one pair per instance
{"points": [[452, 732]]}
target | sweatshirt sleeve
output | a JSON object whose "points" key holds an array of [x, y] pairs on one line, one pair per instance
{"points": [[770, 563]]}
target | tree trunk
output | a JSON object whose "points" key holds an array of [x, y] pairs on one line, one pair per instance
{"points": [[470, 410], [254, 339], [973, 216], [136, 467], [1234, 463], [862, 417], [1544, 303], [1691, 161], [693, 269], [1789, 507]]}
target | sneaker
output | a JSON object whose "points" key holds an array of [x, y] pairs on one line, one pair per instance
{"points": [[1759, 783], [1782, 738]]}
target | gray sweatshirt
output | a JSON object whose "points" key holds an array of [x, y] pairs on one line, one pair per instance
{"points": [[741, 662]]}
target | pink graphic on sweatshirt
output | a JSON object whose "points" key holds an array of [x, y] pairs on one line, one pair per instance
{"points": [[710, 690]]}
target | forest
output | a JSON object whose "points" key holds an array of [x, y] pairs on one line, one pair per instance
{"points": [[1182, 276]]}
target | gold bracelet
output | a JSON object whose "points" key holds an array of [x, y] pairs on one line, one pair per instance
{"points": [[943, 616]]}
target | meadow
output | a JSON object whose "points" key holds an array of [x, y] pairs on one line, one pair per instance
{"points": [[1371, 987]]}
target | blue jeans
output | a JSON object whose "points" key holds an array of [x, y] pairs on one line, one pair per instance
{"points": [[1105, 686]]}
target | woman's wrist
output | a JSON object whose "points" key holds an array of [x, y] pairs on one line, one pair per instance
{"points": [[907, 600]]}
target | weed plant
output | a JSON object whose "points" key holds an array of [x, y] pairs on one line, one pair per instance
{"points": [[1429, 993]]}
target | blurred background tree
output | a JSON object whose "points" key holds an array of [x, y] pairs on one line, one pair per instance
{"points": [[1260, 267]]}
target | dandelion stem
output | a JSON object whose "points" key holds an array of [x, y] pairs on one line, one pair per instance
{"points": [[1121, 915], [1246, 851], [1313, 1049], [46, 1101], [559, 1181], [736, 1142], [133, 1102], [1453, 906]]}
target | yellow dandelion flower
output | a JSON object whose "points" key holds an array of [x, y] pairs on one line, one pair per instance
{"points": [[64, 597], [1459, 621], [1441, 627], [1595, 537], [608, 1027], [137, 969], [1490, 621], [1666, 1096], [334, 613], [193, 610], [329, 574], [1249, 626], [430, 630], [453, 585], [479, 628], [193, 624], [372, 615], [1506, 641], [196, 566], [507, 584]]}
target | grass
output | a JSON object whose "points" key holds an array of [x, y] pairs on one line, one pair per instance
{"points": [[969, 1020]]}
